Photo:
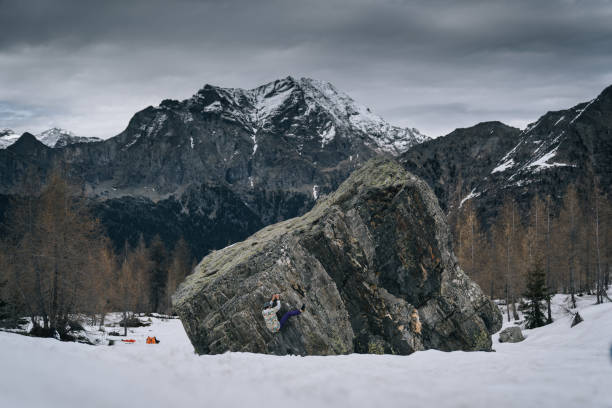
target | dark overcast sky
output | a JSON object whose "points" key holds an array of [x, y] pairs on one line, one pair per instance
{"points": [[435, 65]]}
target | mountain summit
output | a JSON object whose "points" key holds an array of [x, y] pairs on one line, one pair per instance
{"points": [[216, 167], [57, 137], [307, 112], [306, 104], [301, 135]]}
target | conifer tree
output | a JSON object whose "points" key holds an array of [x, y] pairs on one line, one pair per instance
{"points": [[547, 255], [536, 294], [570, 223]]}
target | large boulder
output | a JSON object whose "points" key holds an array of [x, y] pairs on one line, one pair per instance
{"points": [[372, 262]]}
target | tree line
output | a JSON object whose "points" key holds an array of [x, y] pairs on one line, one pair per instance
{"points": [[567, 239], [56, 263]]}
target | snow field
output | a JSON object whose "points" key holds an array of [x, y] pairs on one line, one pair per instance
{"points": [[555, 366]]}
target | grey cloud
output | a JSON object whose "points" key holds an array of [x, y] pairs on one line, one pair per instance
{"points": [[434, 65]]}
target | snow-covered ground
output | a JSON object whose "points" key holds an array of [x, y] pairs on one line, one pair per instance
{"points": [[555, 366]]}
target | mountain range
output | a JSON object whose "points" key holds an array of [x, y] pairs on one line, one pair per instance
{"points": [[491, 160], [218, 166], [54, 137]]}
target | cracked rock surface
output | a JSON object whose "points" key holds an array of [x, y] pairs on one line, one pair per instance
{"points": [[372, 261]]}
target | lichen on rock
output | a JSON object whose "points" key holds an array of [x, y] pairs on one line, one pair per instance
{"points": [[373, 263]]}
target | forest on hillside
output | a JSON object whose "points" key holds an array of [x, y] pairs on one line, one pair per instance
{"points": [[569, 238], [56, 261]]}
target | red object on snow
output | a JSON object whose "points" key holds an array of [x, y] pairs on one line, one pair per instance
{"points": [[129, 341]]}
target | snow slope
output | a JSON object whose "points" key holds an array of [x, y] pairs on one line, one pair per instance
{"points": [[555, 366]]}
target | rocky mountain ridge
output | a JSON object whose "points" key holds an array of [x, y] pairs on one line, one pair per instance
{"points": [[220, 165], [488, 161], [271, 151], [305, 126], [291, 104]]}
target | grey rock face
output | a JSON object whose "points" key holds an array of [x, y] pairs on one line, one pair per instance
{"points": [[511, 334], [461, 159], [372, 262], [491, 160]]}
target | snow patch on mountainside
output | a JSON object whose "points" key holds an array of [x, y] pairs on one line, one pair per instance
{"points": [[511, 152], [542, 162], [504, 166], [473, 194], [559, 121], [328, 135], [581, 111], [214, 107], [254, 139], [536, 150], [270, 98]]}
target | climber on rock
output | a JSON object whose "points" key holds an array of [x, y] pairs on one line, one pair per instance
{"points": [[270, 310]]}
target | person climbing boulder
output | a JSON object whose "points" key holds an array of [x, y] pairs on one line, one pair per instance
{"points": [[269, 314]]}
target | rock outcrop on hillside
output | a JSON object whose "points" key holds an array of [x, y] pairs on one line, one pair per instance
{"points": [[373, 263]]}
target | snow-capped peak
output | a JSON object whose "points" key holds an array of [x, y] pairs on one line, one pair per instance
{"points": [[352, 115], [51, 136], [54, 137], [7, 138], [57, 137], [259, 107]]}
